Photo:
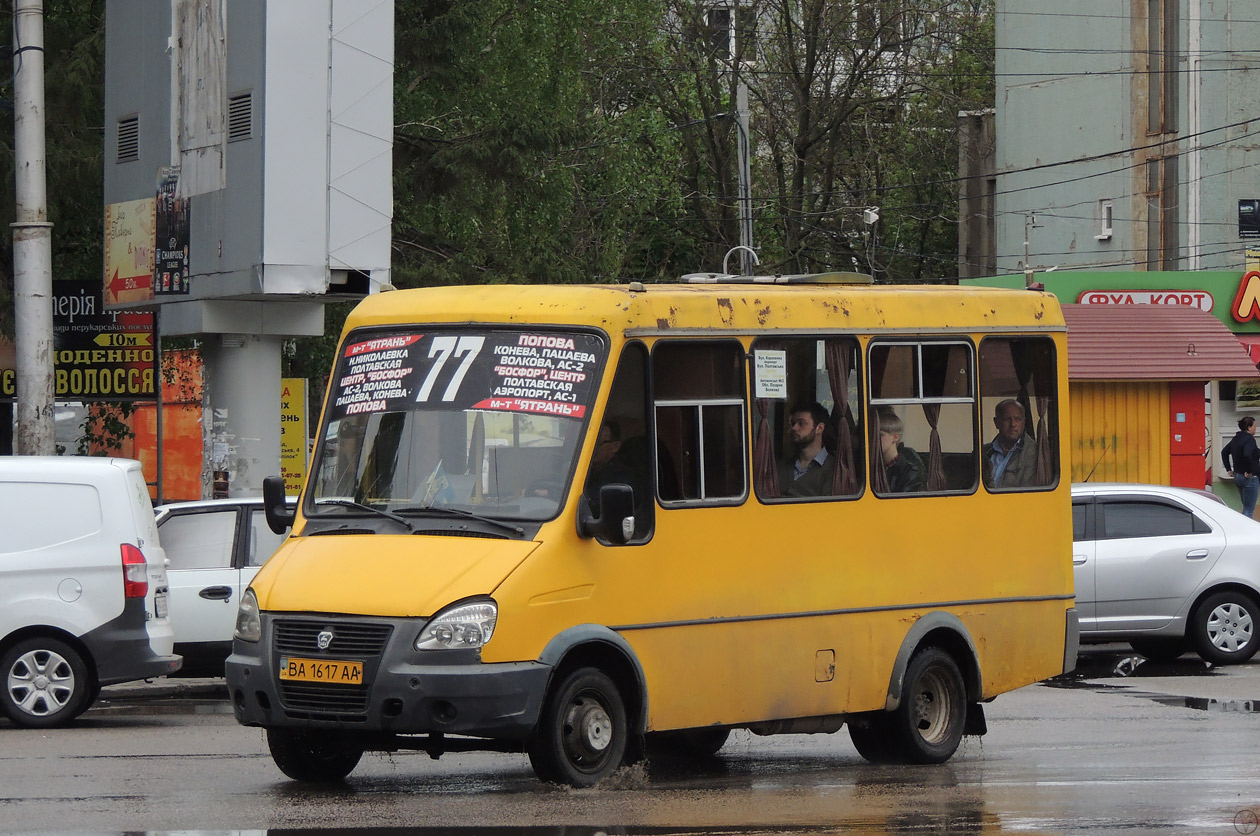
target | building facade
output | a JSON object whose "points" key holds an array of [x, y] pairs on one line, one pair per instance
{"points": [[1122, 136]]}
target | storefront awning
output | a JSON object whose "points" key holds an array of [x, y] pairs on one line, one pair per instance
{"points": [[1152, 342]]}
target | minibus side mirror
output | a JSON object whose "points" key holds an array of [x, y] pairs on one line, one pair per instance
{"points": [[615, 522], [279, 515]]}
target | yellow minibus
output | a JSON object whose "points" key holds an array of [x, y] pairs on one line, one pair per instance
{"points": [[581, 522]]}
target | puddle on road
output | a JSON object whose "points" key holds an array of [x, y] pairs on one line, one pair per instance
{"points": [[1094, 667], [1125, 665], [1205, 704]]}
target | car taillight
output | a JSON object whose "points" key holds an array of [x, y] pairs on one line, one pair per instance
{"points": [[135, 572]]}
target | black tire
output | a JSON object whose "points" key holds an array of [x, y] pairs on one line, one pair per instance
{"points": [[928, 724], [1160, 650], [46, 683], [695, 744], [1223, 628], [582, 732], [320, 757], [872, 736]]}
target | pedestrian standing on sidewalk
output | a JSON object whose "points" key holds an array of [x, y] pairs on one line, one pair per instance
{"points": [[1245, 467]]}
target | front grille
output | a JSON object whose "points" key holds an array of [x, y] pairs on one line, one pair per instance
{"points": [[357, 638], [323, 701], [352, 641]]}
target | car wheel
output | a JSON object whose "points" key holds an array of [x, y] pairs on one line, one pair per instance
{"points": [[691, 743], [313, 756], [582, 733], [872, 736], [1160, 650], [928, 724], [1224, 628], [46, 683]]}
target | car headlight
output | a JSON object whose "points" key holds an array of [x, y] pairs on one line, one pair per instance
{"points": [[462, 627], [248, 622]]}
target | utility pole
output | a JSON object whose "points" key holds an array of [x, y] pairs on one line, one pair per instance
{"points": [[32, 240], [746, 255]]}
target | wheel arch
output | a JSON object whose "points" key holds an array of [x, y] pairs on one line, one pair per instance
{"points": [[32, 631], [946, 631], [1226, 586], [596, 646]]}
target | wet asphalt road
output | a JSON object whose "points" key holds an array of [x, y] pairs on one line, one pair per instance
{"points": [[1170, 749]]}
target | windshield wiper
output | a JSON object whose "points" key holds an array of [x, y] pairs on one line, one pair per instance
{"points": [[459, 512], [359, 506]]}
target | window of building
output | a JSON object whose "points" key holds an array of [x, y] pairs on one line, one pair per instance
{"points": [[698, 399], [1106, 211], [1019, 413], [806, 395], [728, 29], [1162, 22], [1162, 239], [921, 428]]}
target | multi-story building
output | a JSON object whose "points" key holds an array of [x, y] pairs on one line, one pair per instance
{"points": [[1127, 137]]}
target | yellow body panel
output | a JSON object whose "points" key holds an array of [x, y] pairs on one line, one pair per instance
{"points": [[750, 611], [401, 576]]}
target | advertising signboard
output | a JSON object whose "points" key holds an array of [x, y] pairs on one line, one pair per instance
{"points": [[293, 433], [129, 231], [98, 355]]}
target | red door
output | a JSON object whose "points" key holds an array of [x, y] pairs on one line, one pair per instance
{"points": [[1188, 425]]}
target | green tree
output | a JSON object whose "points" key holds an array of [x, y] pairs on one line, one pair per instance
{"points": [[528, 148]]}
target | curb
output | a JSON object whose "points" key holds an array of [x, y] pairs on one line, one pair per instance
{"points": [[214, 688]]}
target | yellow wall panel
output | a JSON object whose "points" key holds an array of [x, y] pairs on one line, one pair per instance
{"points": [[1120, 432]]}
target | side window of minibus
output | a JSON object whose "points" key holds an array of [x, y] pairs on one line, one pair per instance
{"points": [[806, 419], [1019, 416], [698, 400], [921, 428], [622, 452]]}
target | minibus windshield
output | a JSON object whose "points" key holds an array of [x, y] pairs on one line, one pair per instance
{"points": [[469, 419]]}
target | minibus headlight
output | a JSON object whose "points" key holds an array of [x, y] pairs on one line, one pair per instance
{"points": [[248, 622], [463, 627]]}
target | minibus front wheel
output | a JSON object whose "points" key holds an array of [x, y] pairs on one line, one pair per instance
{"points": [[311, 755], [582, 732]]}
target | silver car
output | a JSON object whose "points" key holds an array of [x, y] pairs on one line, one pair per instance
{"points": [[1166, 570]]}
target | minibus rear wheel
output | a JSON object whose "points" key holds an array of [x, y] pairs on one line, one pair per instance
{"points": [[582, 732], [313, 756], [927, 725]]}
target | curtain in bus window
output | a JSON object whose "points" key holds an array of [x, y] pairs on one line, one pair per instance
{"points": [[839, 356], [765, 467]]}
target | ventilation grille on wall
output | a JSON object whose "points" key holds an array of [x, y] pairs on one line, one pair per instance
{"points": [[128, 139], [240, 116]]}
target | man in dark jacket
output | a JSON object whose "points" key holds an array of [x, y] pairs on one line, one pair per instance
{"points": [[811, 471], [1245, 465]]}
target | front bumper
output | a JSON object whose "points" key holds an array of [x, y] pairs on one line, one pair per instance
{"points": [[404, 691]]}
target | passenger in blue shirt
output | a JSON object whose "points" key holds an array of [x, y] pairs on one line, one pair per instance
{"points": [[1010, 459]]}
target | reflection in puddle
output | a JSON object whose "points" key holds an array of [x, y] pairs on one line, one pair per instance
{"points": [[1205, 704], [1123, 665]]}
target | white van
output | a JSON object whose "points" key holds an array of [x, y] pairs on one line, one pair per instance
{"points": [[83, 590]]}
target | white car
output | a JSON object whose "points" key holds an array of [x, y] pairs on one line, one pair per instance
{"points": [[1166, 570], [215, 547], [83, 587]]}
